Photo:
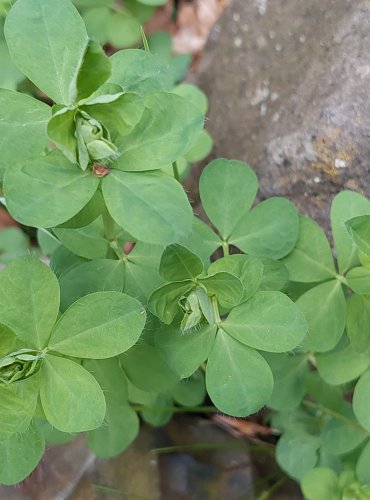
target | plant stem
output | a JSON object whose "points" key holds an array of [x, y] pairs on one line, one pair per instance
{"points": [[225, 248], [175, 169], [275, 487]]}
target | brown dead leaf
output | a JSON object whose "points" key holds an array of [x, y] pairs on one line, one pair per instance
{"points": [[242, 427], [194, 23]]}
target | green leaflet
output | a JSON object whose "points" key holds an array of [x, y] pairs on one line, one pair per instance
{"points": [[297, 453], [10, 76], [95, 276], [48, 191], [346, 205], [13, 244], [201, 240], [109, 324], [20, 455], [123, 29], [146, 369], [59, 41], [190, 392], [324, 307], [268, 230], [7, 340], [89, 241], [359, 280], [359, 230], [167, 130], [71, 404], [23, 125], [194, 95], [13, 413], [238, 379], [142, 271], [179, 264], [184, 353], [161, 46], [201, 148], [311, 259], [29, 300], [140, 72], [247, 268], [94, 70], [151, 206], [340, 438], [342, 365], [361, 402], [363, 465], [289, 374], [320, 484], [269, 321], [120, 115], [227, 190], [275, 275], [163, 302], [358, 322], [109, 440], [227, 288]]}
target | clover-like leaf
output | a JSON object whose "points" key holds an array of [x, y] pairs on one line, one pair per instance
{"points": [[324, 307], [167, 130], [23, 126], [227, 190], [48, 191], [29, 300], [109, 323], [239, 381], [23, 451], [139, 71], [185, 353], [247, 268], [269, 230], [346, 205], [151, 206], [71, 398], [47, 41], [311, 259], [269, 321], [179, 264]]}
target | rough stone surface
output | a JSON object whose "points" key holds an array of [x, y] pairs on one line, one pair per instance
{"points": [[288, 83]]}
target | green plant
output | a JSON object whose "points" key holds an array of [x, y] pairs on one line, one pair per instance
{"points": [[138, 313]]}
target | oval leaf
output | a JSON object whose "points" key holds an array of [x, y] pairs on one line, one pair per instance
{"points": [[312, 259], [167, 130], [345, 205], [23, 126], [178, 264], [269, 230], [48, 191], [361, 401], [151, 206], [227, 190], [29, 300], [23, 452], [47, 41], [269, 321], [238, 379], [109, 323], [71, 398], [324, 307]]}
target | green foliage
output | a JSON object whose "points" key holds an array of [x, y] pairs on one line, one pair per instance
{"points": [[145, 309]]}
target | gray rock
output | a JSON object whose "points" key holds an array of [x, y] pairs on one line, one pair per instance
{"points": [[288, 83]]}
